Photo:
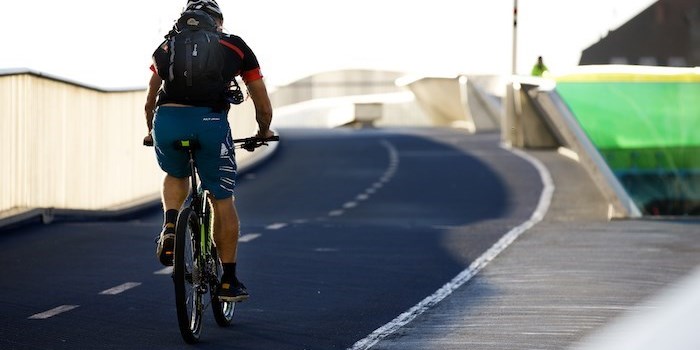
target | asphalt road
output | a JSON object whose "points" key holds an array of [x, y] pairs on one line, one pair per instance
{"points": [[343, 230]]}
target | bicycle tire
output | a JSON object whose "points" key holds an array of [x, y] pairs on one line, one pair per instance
{"points": [[223, 310], [188, 299]]}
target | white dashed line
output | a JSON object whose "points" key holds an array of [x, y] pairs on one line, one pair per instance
{"points": [[326, 250], [53, 312], [276, 226], [248, 237], [120, 288], [164, 271], [384, 179]]}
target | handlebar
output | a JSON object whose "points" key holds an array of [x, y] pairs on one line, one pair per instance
{"points": [[249, 143], [255, 138]]}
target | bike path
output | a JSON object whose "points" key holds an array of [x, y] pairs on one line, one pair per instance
{"points": [[563, 280], [327, 267], [342, 230]]}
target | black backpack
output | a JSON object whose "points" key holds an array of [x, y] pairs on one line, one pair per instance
{"points": [[194, 70]]}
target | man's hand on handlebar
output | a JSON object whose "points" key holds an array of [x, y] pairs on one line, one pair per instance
{"points": [[265, 134], [251, 143]]}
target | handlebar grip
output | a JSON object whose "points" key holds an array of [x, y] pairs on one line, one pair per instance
{"points": [[257, 139]]}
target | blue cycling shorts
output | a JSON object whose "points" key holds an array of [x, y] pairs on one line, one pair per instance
{"points": [[214, 159]]}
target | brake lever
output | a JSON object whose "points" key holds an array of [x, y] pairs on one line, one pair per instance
{"points": [[249, 146]]}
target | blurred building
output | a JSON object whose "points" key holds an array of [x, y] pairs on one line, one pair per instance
{"points": [[667, 33]]}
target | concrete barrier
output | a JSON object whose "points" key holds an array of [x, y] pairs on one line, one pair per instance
{"points": [[367, 114], [443, 99], [65, 145], [536, 117], [526, 126], [485, 108], [462, 101], [386, 109]]}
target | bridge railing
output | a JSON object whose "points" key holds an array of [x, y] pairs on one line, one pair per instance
{"points": [[68, 145]]}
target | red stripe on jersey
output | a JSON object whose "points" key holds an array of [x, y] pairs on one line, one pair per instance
{"points": [[153, 68], [232, 47], [251, 75]]}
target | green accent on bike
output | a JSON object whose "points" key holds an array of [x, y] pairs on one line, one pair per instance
{"points": [[185, 143], [203, 241]]}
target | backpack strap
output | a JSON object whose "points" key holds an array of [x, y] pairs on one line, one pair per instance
{"points": [[171, 63], [233, 48], [188, 63]]}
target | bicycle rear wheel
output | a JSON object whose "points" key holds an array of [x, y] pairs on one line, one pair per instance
{"points": [[188, 287], [223, 310]]}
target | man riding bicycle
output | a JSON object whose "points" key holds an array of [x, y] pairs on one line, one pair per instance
{"points": [[171, 118]]}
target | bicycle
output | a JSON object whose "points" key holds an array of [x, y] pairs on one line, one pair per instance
{"points": [[197, 269]]}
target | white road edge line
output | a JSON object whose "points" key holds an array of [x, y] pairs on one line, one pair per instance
{"points": [[248, 237], [53, 312], [120, 288], [476, 266], [569, 153]]}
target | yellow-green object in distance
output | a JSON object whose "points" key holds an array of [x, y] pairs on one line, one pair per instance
{"points": [[539, 68]]}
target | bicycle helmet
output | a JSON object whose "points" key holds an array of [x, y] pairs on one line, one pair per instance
{"points": [[208, 6]]}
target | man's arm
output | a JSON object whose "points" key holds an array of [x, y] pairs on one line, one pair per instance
{"points": [[263, 106], [149, 108]]}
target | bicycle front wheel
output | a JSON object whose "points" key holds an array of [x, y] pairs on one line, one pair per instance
{"points": [[188, 287]]}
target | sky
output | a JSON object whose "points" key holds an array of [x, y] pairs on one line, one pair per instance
{"points": [[108, 44]]}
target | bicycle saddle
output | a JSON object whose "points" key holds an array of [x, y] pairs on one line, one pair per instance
{"points": [[186, 144]]}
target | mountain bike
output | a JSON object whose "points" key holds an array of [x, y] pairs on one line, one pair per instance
{"points": [[197, 269]]}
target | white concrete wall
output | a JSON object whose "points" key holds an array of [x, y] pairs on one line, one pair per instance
{"points": [[397, 109], [470, 102], [64, 145], [337, 83]]}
